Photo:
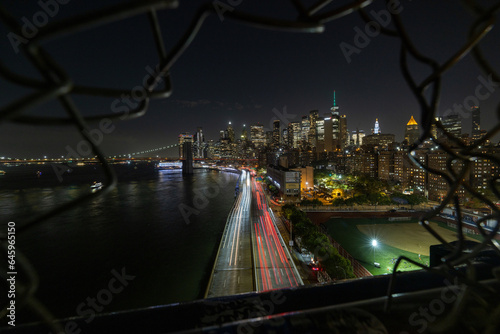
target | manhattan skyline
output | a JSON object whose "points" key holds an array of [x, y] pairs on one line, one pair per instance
{"points": [[236, 73]]}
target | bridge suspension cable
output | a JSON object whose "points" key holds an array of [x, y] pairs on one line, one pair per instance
{"points": [[129, 155]]}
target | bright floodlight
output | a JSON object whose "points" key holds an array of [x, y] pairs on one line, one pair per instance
{"points": [[374, 243]]}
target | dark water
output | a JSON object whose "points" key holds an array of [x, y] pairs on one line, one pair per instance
{"points": [[138, 226]]}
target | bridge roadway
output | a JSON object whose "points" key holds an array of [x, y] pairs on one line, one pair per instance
{"points": [[252, 255]]}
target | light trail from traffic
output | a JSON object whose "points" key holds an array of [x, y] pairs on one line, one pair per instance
{"points": [[250, 232], [273, 266], [233, 271]]}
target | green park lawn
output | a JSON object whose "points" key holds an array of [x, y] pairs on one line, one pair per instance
{"points": [[358, 244]]}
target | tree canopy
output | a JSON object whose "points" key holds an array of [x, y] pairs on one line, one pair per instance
{"points": [[318, 243]]}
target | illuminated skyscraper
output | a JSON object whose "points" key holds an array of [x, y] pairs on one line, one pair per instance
{"points": [[199, 145], [183, 138], [344, 134], [284, 137], [257, 135], [411, 131], [357, 137], [335, 123], [276, 134], [230, 133], [328, 133], [434, 129], [305, 127], [476, 122], [244, 133], [320, 134], [453, 124], [313, 117], [294, 135], [376, 129]]}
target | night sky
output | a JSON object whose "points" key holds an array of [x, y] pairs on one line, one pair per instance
{"points": [[233, 72]]}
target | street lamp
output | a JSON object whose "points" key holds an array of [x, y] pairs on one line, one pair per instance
{"points": [[374, 245]]}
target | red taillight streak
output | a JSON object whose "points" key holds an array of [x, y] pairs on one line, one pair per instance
{"points": [[264, 286], [265, 261]]}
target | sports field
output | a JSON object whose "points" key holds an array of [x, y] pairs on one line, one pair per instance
{"points": [[394, 239]]}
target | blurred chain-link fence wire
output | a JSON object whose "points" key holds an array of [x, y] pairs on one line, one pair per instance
{"points": [[57, 85]]}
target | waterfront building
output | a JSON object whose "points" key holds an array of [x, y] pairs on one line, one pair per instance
{"points": [[306, 177], [286, 181]]}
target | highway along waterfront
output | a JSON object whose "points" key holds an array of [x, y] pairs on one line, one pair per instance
{"points": [[252, 256], [232, 272]]}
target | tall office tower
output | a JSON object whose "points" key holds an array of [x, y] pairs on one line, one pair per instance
{"points": [[183, 138], [276, 139], [257, 135], [476, 122], [289, 135], [453, 124], [295, 134], [269, 138], [320, 134], [328, 133], [411, 132], [305, 127], [313, 117], [344, 134], [335, 123], [230, 132], [434, 129], [199, 145], [244, 133], [376, 130], [222, 134], [284, 137], [357, 137]]}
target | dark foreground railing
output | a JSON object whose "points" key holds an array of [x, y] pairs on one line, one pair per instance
{"points": [[421, 301]]}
